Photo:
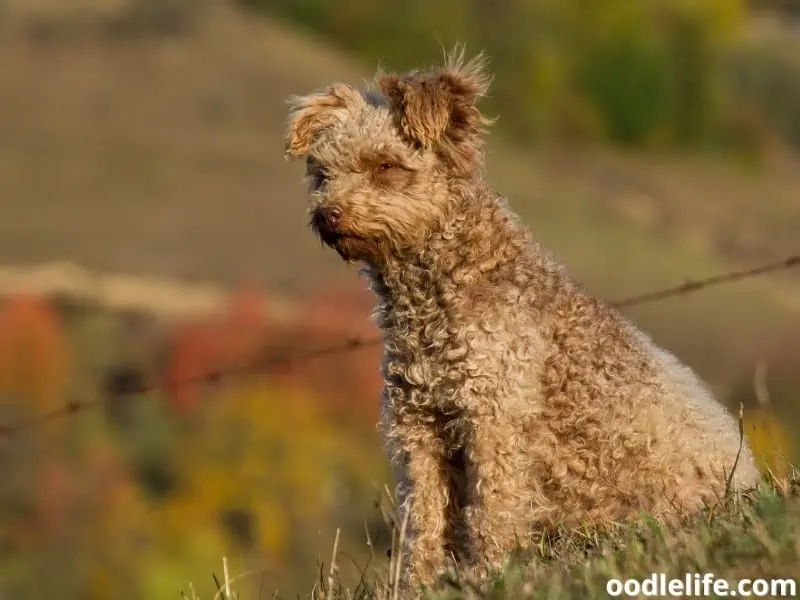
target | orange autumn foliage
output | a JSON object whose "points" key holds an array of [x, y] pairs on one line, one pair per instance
{"points": [[214, 345], [195, 349], [349, 383], [34, 355]]}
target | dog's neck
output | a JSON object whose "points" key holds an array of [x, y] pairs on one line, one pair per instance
{"points": [[478, 241]]}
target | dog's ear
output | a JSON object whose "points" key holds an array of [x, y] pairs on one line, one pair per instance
{"points": [[439, 109], [309, 115]]}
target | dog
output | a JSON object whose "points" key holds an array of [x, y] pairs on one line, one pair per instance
{"points": [[514, 400]]}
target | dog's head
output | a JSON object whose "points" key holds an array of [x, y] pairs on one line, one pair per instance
{"points": [[381, 166]]}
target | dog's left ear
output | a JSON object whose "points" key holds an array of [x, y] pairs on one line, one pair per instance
{"points": [[310, 115], [439, 109]]}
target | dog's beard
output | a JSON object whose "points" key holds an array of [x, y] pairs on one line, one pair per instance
{"points": [[351, 247], [347, 248], [343, 244]]}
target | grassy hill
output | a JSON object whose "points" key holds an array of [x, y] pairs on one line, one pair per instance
{"points": [[157, 154], [162, 153], [749, 536]]}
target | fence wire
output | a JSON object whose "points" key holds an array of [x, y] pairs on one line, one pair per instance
{"points": [[133, 389]]}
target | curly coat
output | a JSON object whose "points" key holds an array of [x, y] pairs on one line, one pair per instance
{"points": [[514, 400]]}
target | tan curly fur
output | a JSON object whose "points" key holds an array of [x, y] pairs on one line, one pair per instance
{"points": [[514, 400]]}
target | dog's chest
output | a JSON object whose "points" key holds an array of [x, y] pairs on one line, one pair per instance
{"points": [[449, 346], [439, 362], [424, 359]]}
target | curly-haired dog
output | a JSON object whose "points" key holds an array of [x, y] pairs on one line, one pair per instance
{"points": [[514, 401]]}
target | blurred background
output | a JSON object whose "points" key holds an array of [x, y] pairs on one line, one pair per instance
{"points": [[151, 231]]}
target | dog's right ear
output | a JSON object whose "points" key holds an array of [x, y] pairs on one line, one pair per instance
{"points": [[439, 109], [309, 115]]}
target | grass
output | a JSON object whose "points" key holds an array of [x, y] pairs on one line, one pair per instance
{"points": [[750, 536], [747, 535]]}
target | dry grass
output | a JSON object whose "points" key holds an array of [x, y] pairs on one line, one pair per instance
{"points": [[754, 534]]}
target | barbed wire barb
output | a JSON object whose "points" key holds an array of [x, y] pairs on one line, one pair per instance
{"points": [[352, 344]]}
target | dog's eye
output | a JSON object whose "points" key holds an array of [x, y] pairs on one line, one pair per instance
{"points": [[316, 173], [391, 173], [318, 179]]}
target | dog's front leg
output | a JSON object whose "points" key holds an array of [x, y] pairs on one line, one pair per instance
{"points": [[420, 467], [501, 497]]}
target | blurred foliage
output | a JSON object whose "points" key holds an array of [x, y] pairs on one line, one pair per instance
{"points": [[34, 358], [132, 501], [769, 440], [266, 465], [214, 345], [661, 73], [261, 466], [770, 400], [764, 79], [350, 384]]}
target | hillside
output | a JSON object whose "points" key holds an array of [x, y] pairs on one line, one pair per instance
{"points": [[749, 539], [153, 153]]}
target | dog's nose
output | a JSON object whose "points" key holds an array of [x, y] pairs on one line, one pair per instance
{"points": [[329, 216]]}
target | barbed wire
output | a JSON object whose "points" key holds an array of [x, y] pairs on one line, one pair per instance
{"points": [[132, 389], [691, 286]]}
